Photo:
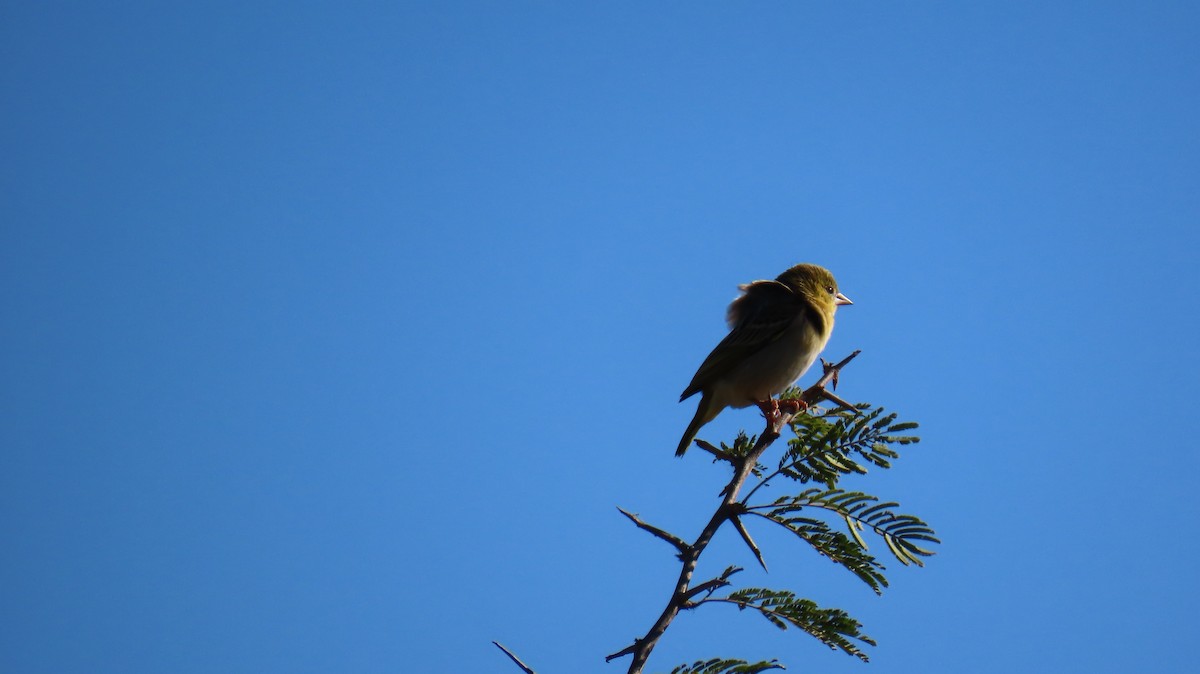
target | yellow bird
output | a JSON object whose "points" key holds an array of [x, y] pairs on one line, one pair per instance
{"points": [[777, 330]]}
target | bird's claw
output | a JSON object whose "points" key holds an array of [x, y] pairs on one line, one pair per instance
{"points": [[774, 409], [769, 408], [795, 406]]}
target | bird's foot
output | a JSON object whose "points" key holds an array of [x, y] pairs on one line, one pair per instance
{"points": [[774, 409], [794, 406], [769, 408]]}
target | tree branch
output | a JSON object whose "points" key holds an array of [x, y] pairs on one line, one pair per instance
{"points": [[524, 667], [741, 529], [714, 584], [717, 452], [671, 538]]}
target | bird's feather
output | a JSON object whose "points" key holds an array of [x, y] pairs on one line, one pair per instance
{"points": [[758, 317], [704, 414]]}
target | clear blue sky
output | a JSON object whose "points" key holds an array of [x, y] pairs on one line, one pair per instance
{"points": [[333, 334]]}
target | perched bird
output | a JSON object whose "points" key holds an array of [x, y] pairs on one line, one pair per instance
{"points": [[777, 330]]}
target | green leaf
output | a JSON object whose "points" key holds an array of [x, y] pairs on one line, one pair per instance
{"points": [[856, 508], [834, 545], [719, 666], [826, 444], [855, 526], [832, 627]]}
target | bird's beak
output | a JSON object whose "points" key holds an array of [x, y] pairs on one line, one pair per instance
{"points": [[841, 299]]}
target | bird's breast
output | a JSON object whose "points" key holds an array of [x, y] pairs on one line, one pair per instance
{"points": [[775, 367]]}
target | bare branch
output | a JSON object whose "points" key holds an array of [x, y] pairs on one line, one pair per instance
{"points": [[833, 371], [741, 529], [524, 667], [678, 542], [835, 399], [631, 648], [714, 584], [714, 450]]}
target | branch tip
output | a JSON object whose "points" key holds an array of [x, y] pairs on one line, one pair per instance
{"points": [[674, 540], [524, 667], [714, 450], [624, 651], [741, 529]]}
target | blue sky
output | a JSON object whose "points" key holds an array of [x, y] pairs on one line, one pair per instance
{"points": [[334, 333]]}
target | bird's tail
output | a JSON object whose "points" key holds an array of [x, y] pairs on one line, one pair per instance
{"points": [[704, 414]]}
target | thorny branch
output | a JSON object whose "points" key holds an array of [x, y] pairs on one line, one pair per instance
{"points": [[524, 667], [674, 540], [729, 508]]}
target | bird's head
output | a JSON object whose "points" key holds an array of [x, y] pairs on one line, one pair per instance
{"points": [[816, 284]]}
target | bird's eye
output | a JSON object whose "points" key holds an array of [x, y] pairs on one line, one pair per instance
{"points": [[829, 289]]}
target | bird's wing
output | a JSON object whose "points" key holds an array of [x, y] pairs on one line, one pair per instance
{"points": [[757, 318]]}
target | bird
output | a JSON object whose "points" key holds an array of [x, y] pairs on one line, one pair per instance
{"points": [[777, 330]]}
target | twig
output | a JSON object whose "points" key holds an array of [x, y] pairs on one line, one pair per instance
{"points": [[678, 542], [631, 648], [728, 509], [715, 583], [841, 403], [832, 372], [741, 529], [524, 667], [714, 450]]}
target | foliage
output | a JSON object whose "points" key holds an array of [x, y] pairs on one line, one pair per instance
{"points": [[827, 442], [833, 627], [829, 445], [718, 666], [859, 511]]}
